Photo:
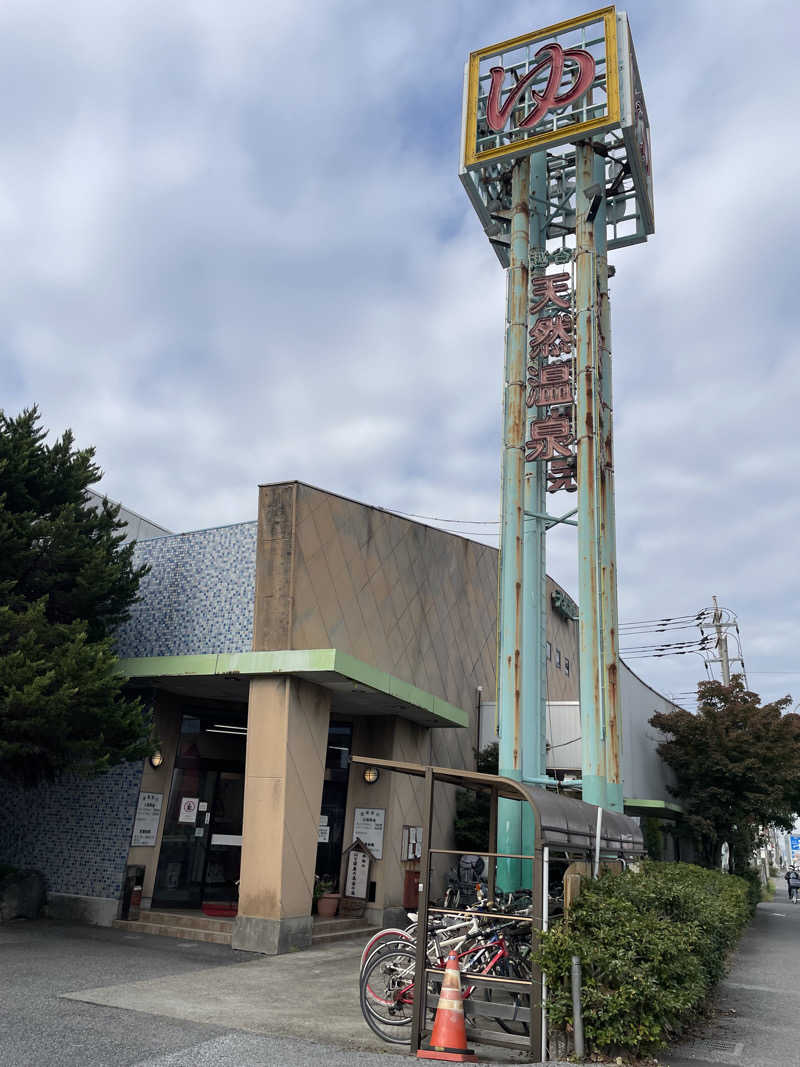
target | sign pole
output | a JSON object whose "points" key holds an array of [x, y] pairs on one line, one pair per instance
{"points": [[608, 541], [516, 96], [510, 635], [534, 623], [589, 533], [534, 582]]}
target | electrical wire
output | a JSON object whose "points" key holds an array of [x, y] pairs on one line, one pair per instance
{"points": [[706, 618], [436, 518], [561, 744]]}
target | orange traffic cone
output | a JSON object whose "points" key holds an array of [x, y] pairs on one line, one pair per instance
{"points": [[449, 1038]]}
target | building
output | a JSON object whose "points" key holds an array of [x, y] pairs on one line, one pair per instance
{"points": [[269, 651]]}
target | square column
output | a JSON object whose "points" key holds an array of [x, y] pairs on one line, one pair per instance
{"points": [[287, 738]]}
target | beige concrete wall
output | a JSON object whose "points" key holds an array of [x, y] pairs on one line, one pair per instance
{"points": [[401, 796], [272, 622], [411, 600], [414, 601], [399, 739], [286, 744]]}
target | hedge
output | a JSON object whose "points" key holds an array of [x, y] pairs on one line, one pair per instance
{"points": [[652, 944]]}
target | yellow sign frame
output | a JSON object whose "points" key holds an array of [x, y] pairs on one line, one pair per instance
{"points": [[575, 133]]}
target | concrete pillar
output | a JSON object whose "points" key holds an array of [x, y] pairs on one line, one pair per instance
{"points": [[287, 737]]}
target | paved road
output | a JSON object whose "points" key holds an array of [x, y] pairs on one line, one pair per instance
{"points": [[75, 995], [757, 1019]]}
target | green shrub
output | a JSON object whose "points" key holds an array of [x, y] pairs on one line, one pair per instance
{"points": [[652, 944], [753, 878]]}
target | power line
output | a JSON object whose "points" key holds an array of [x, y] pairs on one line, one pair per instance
{"points": [[561, 744], [436, 518]]}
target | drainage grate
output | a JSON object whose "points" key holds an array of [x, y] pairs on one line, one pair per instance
{"points": [[712, 1047]]}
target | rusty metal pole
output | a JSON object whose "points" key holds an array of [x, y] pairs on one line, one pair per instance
{"points": [[608, 526], [589, 534], [534, 582], [534, 586], [509, 615]]}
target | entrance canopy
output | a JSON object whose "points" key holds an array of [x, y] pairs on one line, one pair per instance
{"points": [[356, 687]]}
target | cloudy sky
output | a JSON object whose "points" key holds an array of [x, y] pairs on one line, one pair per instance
{"points": [[236, 250]]}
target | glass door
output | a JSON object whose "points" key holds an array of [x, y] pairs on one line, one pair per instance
{"points": [[201, 845], [185, 841], [225, 841], [334, 801]]}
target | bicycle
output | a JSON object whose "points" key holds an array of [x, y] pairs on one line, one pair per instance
{"points": [[387, 984]]}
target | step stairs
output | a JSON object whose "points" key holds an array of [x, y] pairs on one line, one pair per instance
{"points": [[326, 931], [191, 926], [194, 926]]}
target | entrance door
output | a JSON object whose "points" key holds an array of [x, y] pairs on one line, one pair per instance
{"points": [[334, 801], [225, 843], [201, 846]]}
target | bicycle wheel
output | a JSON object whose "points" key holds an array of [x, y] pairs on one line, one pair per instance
{"points": [[387, 995], [387, 945], [389, 934]]}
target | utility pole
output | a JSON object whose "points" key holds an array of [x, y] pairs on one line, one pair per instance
{"points": [[722, 645]]}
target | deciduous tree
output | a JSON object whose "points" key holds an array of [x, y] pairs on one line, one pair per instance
{"points": [[736, 764]]}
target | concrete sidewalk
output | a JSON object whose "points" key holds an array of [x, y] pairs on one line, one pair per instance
{"points": [[757, 1017], [312, 994], [76, 994]]}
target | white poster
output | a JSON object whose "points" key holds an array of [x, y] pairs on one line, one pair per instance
{"points": [[148, 813], [368, 828], [188, 810]]}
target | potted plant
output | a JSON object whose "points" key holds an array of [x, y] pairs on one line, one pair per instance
{"points": [[325, 898]]}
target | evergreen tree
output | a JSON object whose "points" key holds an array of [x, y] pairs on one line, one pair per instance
{"points": [[736, 765], [471, 827], [66, 580]]}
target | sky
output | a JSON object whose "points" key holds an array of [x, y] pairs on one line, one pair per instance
{"points": [[236, 251]]}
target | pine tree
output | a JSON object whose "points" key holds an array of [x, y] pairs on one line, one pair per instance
{"points": [[736, 764], [66, 580]]}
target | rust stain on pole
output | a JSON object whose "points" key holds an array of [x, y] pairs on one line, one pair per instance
{"points": [[513, 518], [589, 532]]}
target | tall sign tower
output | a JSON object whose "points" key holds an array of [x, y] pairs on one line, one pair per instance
{"points": [[556, 161]]}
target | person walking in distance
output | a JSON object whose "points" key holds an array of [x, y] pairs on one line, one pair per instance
{"points": [[792, 877]]}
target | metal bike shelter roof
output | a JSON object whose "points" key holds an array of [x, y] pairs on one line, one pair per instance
{"points": [[561, 821]]}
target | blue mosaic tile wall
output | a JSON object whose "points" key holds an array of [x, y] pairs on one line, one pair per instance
{"points": [[198, 597], [76, 831]]}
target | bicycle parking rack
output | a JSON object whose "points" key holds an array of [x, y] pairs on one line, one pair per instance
{"points": [[565, 829]]}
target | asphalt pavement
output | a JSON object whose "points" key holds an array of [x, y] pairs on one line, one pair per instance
{"points": [[78, 995], [756, 1019]]}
